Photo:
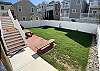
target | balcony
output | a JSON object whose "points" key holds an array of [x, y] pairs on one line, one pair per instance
{"points": [[49, 8], [89, 15], [64, 14], [3, 12], [95, 4], [64, 7]]}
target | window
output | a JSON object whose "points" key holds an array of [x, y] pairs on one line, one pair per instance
{"points": [[20, 8], [73, 10], [37, 18], [42, 7], [77, 1], [32, 9], [24, 18], [94, 11], [2, 7]]}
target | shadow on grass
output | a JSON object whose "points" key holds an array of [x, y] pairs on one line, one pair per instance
{"points": [[83, 39], [45, 27]]}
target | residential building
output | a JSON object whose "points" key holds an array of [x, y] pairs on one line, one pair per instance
{"points": [[50, 11], [94, 9], [72, 9], [53, 10], [5, 5], [41, 9], [37, 16], [24, 9]]}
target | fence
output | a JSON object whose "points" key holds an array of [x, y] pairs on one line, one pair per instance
{"points": [[98, 43], [82, 27]]}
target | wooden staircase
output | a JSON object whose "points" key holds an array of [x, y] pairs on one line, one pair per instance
{"points": [[12, 37]]}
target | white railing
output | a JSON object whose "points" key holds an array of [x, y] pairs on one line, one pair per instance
{"points": [[65, 7], [17, 25], [49, 8]]}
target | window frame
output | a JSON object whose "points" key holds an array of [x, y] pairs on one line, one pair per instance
{"points": [[3, 7], [74, 11], [32, 9], [93, 11], [24, 19], [20, 7]]}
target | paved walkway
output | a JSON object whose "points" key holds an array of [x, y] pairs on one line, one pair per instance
{"points": [[29, 61]]}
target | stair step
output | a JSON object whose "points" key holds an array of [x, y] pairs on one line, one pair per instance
{"points": [[15, 46], [15, 43], [8, 29], [11, 34], [9, 38], [6, 33], [5, 17], [7, 24], [16, 50], [15, 39], [6, 20], [4, 26]]}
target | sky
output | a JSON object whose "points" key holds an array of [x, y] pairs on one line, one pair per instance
{"points": [[33, 1]]}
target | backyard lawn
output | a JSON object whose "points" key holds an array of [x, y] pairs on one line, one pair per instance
{"points": [[71, 50]]}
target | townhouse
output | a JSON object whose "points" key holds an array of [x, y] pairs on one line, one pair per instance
{"points": [[72, 9], [50, 11], [25, 10], [94, 9]]}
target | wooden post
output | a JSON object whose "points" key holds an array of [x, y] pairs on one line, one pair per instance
{"points": [[5, 60]]}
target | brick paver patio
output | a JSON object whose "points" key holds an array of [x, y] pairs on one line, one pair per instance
{"points": [[36, 42]]}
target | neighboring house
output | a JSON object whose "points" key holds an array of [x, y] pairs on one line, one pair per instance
{"points": [[37, 16], [50, 11], [41, 9], [72, 8], [24, 9], [5, 5], [65, 9], [53, 10], [94, 9]]}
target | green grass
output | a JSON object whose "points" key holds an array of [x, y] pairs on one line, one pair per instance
{"points": [[72, 47]]}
